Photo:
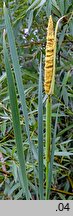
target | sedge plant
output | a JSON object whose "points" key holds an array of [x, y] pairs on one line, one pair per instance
{"points": [[49, 80]]}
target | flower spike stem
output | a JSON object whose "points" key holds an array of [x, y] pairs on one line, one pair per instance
{"points": [[48, 139]]}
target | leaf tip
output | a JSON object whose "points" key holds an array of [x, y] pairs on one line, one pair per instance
{"points": [[4, 4]]}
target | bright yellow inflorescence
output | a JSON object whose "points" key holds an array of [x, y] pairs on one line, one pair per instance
{"points": [[49, 57]]}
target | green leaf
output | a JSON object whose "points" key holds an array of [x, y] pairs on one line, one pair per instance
{"points": [[71, 27], [65, 79], [3, 77], [18, 195], [54, 2], [18, 77], [61, 38], [12, 190], [64, 154], [15, 117], [40, 132], [61, 6], [65, 130], [14, 171], [30, 19], [40, 4], [48, 7], [33, 4], [67, 4], [16, 69], [65, 95]]}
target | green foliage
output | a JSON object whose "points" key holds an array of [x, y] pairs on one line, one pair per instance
{"points": [[40, 133], [16, 121], [29, 22]]}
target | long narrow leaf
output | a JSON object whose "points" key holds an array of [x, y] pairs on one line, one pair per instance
{"points": [[16, 68], [17, 71], [15, 117], [52, 153], [40, 133]]}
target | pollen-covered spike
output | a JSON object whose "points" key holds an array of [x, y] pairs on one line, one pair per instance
{"points": [[49, 57]]}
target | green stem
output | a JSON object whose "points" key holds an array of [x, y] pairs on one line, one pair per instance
{"points": [[48, 139], [48, 117], [52, 154]]}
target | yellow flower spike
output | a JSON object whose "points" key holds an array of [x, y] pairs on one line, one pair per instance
{"points": [[49, 57]]}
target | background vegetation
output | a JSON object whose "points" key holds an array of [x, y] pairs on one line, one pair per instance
{"points": [[29, 20]]}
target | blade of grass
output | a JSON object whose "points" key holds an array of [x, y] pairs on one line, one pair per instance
{"points": [[16, 120], [40, 132], [17, 70], [52, 154]]}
